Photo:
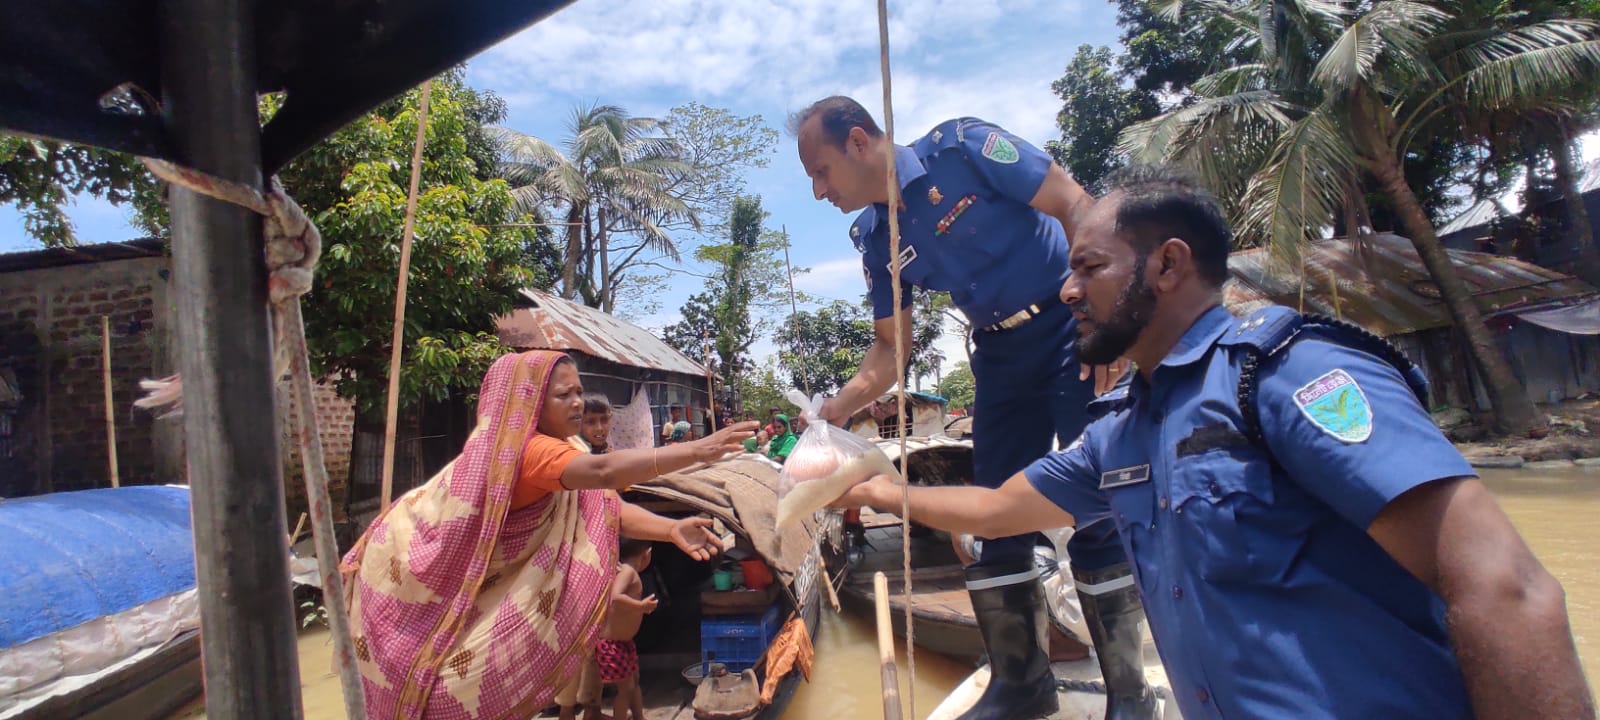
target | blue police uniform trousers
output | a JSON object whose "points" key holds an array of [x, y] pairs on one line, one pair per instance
{"points": [[1028, 392]]}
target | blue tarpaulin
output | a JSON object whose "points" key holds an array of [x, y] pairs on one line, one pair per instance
{"points": [[72, 557]]}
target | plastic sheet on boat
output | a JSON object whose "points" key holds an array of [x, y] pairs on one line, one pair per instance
{"points": [[74, 557]]}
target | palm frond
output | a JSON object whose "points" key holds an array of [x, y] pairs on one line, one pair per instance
{"points": [[1154, 140], [1293, 197], [1233, 80], [1543, 59], [524, 149]]}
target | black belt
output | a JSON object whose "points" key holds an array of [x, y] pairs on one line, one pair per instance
{"points": [[1021, 317]]}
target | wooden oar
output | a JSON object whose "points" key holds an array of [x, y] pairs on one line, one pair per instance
{"points": [[890, 677]]}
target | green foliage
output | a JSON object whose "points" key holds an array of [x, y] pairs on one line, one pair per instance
{"points": [[471, 253], [822, 349], [629, 187], [763, 387], [959, 387], [1095, 107], [745, 290], [40, 177]]}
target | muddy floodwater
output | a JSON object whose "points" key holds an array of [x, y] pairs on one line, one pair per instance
{"points": [[1556, 510]]}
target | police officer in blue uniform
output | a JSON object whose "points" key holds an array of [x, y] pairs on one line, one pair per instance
{"points": [[982, 218], [1306, 542]]}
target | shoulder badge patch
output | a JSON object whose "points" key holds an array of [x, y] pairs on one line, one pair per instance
{"points": [[999, 149], [1337, 406]]}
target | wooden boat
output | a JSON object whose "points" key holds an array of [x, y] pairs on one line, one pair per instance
{"points": [[101, 617], [741, 495]]}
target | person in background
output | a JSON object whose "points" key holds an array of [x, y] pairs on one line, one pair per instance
{"points": [[596, 423], [680, 433], [616, 654], [772, 428], [783, 442], [675, 416]]}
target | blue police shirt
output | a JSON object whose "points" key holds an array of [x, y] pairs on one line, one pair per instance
{"points": [[1265, 594], [967, 227]]}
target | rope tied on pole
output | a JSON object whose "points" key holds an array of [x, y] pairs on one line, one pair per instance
{"points": [[902, 410], [293, 246]]}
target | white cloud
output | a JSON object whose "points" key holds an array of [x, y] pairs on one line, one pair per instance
{"points": [[839, 278]]}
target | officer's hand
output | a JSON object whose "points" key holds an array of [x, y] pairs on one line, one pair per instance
{"points": [[1105, 376], [835, 412], [878, 492]]}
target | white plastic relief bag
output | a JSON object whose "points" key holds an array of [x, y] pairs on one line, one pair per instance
{"points": [[825, 463]]}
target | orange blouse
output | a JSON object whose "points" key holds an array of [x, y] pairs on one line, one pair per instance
{"points": [[544, 459]]}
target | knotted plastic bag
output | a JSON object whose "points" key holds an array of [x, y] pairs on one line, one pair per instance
{"points": [[825, 463]]}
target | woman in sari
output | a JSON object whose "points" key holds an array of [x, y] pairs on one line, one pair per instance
{"points": [[478, 594]]}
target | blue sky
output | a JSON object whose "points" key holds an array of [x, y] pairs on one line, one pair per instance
{"points": [[993, 59]]}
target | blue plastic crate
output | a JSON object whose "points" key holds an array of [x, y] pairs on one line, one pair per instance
{"points": [[738, 641]]}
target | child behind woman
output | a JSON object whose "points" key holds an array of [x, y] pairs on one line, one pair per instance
{"points": [[617, 656]]}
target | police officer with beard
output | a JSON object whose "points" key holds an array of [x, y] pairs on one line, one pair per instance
{"points": [[986, 217], [1306, 542]]}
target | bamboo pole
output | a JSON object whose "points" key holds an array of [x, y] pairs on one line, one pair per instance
{"points": [[794, 311], [886, 666], [711, 391], [301, 525], [111, 413], [903, 409], [398, 337]]}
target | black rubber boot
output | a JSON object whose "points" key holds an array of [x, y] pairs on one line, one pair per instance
{"points": [[1011, 615], [1115, 617]]}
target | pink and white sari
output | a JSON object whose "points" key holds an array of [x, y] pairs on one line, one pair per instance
{"points": [[462, 608]]}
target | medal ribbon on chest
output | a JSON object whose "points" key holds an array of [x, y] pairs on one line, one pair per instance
{"points": [[955, 212]]}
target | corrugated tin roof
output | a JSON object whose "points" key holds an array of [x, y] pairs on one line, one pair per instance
{"points": [[81, 254], [554, 323], [1398, 297], [1481, 213]]}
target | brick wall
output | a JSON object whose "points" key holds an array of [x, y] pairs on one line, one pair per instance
{"points": [[50, 342], [50, 339], [336, 418]]}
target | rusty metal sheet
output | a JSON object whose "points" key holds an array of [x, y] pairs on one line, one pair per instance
{"points": [[555, 323], [1391, 292]]}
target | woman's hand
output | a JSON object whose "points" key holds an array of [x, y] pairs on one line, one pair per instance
{"points": [[730, 439], [694, 537]]}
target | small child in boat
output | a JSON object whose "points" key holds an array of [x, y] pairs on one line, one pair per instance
{"points": [[616, 654]]}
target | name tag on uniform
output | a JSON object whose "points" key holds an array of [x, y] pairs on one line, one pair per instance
{"points": [[908, 254], [1124, 476]]}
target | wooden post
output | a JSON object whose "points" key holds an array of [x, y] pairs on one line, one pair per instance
{"points": [[400, 298], [225, 351], [711, 390], [111, 412], [886, 666]]}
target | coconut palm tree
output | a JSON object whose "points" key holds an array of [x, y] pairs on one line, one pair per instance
{"points": [[1338, 93], [612, 183]]}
